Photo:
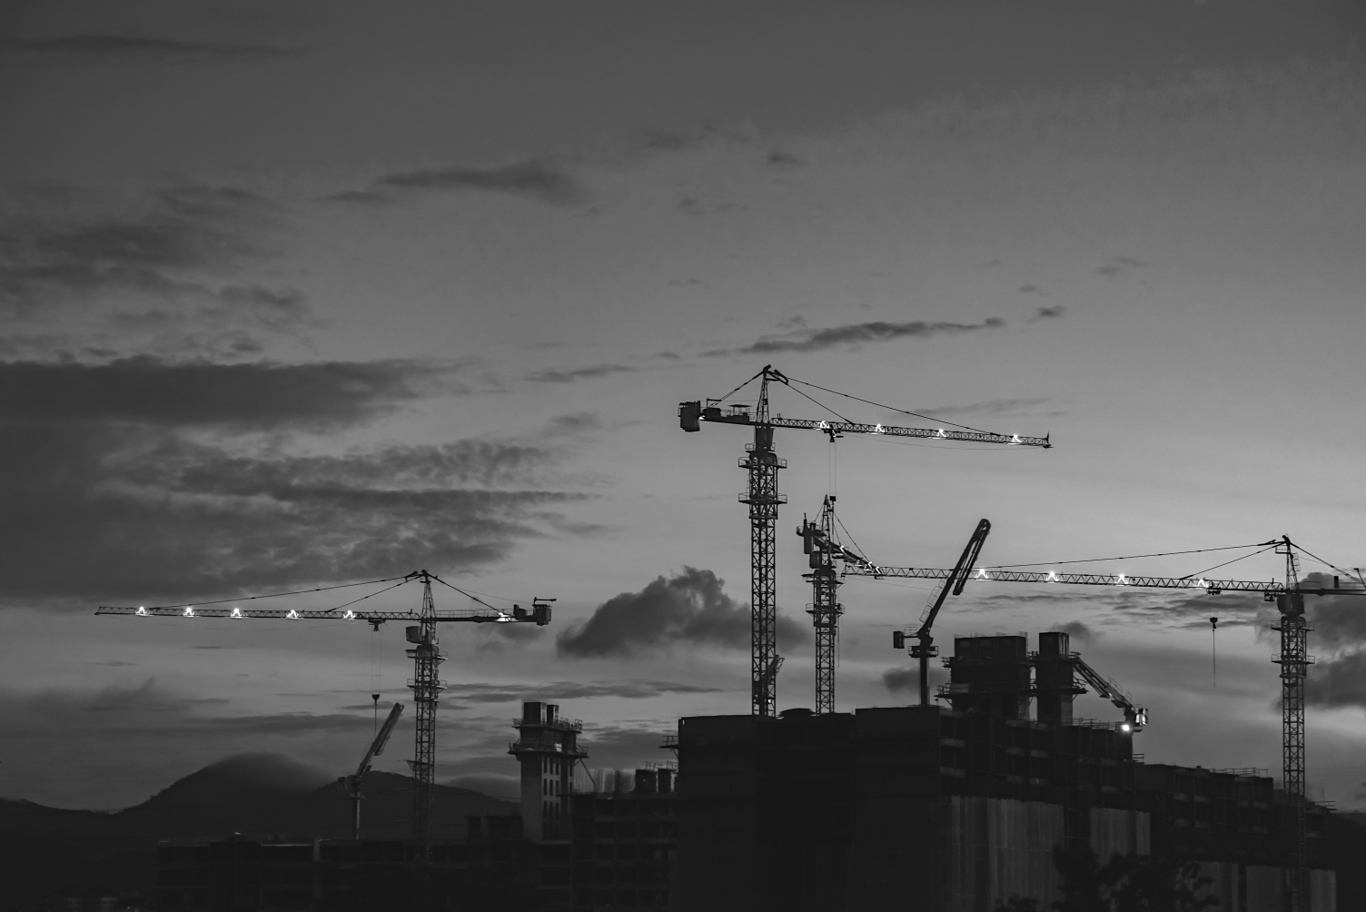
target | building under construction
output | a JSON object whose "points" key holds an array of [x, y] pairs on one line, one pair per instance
{"points": [[956, 810]]}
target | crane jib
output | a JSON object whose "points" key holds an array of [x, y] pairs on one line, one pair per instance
{"points": [[690, 413]]}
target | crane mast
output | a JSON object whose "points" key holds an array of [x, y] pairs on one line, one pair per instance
{"points": [[763, 499], [426, 686], [818, 541], [1294, 661]]}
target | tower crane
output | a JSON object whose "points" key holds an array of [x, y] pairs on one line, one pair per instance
{"points": [[352, 783], [762, 464], [426, 684], [819, 543], [1294, 658]]}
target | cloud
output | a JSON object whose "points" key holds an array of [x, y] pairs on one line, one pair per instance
{"points": [[1337, 683], [805, 340], [907, 679], [535, 178], [164, 270], [579, 373], [690, 607], [140, 482], [990, 407], [148, 390], [1077, 631], [1047, 313], [1119, 266], [137, 48], [558, 691]]}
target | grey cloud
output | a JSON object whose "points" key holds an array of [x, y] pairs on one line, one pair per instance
{"points": [[1119, 265], [806, 340], [137, 48], [1338, 683], [907, 679], [690, 607], [1078, 631], [558, 691], [579, 373], [538, 179], [119, 512], [990, 407], [1048, 313], [174, 267], [151, 391]]}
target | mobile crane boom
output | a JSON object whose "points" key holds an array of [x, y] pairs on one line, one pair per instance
{"points": [[924, 649], [352, 783]]}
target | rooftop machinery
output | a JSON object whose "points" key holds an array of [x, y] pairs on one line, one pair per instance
{"points": [[1294, 657], [427, 658], [762, 496]]}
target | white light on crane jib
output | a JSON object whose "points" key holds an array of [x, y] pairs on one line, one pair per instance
{"points": [[879, 429], [236, 614], [1121, 580], [141, 612], [1052, 577], [293, 615], [189, 612], [349, 615]]}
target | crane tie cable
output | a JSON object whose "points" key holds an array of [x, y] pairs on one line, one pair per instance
{"points": [[1097, 560], [252, 598]]}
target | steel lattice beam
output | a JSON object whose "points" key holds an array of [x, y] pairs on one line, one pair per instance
{"points": [[825, 609]]}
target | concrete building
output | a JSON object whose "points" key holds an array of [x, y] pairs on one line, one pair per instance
{"points": [[953, 810]]}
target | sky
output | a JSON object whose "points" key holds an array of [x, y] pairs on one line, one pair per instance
{"points": [[309, 293]]}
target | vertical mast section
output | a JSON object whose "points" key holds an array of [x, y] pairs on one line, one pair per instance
{"points": [[1294, 661], [426, 686], [825, 609], [763, 499]]}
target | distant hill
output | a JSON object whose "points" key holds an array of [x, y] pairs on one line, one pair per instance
{"points": [[254, 795]]}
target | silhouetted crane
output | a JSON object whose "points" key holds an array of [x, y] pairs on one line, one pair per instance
{"points": [[763, 499], [352, 782], [1294, 657], [426, 655]]}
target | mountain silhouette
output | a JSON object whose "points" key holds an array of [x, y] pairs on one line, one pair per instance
{"points": [[254, 796]]}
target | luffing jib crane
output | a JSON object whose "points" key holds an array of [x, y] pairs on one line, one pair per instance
{"points": [[1294, 657], [426, 655], [352, 782], [924, 648], [763, 499]]}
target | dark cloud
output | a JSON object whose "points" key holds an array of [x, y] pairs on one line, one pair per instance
{"points": [[806, 340], [137, 48], [558, 691], [579, 373], [1077, 631], [1048, 313], [168, 265], [690, 607], [537, 179], [1119, 265], [110, 496], [1337, 683], [148, 390], [907, 679], [990, 407]]}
